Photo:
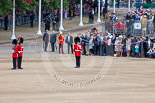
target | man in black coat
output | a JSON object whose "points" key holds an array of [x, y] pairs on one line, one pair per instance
{"points": [[57, 22], [47, 23], [46, 40], [69, 41], [6, 22], [84, 42], [124, 45], [32, 19], [53, 38]]}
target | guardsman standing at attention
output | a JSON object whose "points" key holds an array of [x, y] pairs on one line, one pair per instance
{"points": [[14, 53], [77, 49], [61, 40], [20, 52]]}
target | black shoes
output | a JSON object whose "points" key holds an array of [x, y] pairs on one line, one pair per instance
{"points": [[13, 68], [76, 67]]}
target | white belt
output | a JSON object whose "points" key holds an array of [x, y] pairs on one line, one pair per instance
{"points": [[77, 50], [20, 51]]}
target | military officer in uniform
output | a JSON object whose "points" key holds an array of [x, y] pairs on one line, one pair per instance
{"points": [[20, 52], [61, 40], [77, 50], [14, 53]]}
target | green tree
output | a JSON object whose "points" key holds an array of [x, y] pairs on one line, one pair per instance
{"points": [[6, 6]]}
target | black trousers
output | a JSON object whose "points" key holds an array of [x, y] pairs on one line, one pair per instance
{"points": [[19, 61], [84, 49], [46, 45], [31, 23], [77, 61], [52, 47], [70, 45], [14, 62], [6, 26], [61, 48]]}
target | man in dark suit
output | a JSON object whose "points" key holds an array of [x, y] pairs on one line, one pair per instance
{"points": [[124, 45], [113, 39], [53, 37], [69, 41], [6, 22], [32, 19], [46, 40]]}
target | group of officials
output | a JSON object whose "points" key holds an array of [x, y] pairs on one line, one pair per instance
{"points": [[68, 40], [52, 38]]}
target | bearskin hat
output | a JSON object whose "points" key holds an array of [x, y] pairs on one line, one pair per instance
{"points": [[20, 40], [76, 40], [14, 41]]}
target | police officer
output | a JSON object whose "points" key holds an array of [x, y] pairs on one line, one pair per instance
{"points": [[77, 49]]}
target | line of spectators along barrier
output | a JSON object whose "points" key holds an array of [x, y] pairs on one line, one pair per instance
{"points": [[109, 50]]}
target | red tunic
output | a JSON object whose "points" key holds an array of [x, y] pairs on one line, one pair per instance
{"points": [[77, 49], [20, 50], [14, 52], [61, 39]]}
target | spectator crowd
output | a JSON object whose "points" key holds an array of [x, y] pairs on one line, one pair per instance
{"points": [[108, 44], [144, 16]]}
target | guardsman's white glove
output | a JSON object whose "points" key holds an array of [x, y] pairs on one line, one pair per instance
{"points": [[80, 47], [13, 51]]}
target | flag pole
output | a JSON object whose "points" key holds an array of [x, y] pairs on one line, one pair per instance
{"points": [[61, 22], [13, 29], [99, 6], [114, 7], [129, 5], [39, 27], [81, 21]]}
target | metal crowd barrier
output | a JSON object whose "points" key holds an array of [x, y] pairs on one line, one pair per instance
{"points": [[120, 27]]}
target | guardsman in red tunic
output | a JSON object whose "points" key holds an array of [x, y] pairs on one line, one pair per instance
{"points": [[14, 53], [61, 40], [20, 52], [77, 50]]}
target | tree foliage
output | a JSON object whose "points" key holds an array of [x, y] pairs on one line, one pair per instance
{"points": [[6, 6]]}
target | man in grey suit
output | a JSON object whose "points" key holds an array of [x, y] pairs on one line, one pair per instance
{"points": [[53, 38], [69, 41], [46, 40]]}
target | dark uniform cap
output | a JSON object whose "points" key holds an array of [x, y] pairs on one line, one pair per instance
{"points": [[14, 41], [76, 40]]}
